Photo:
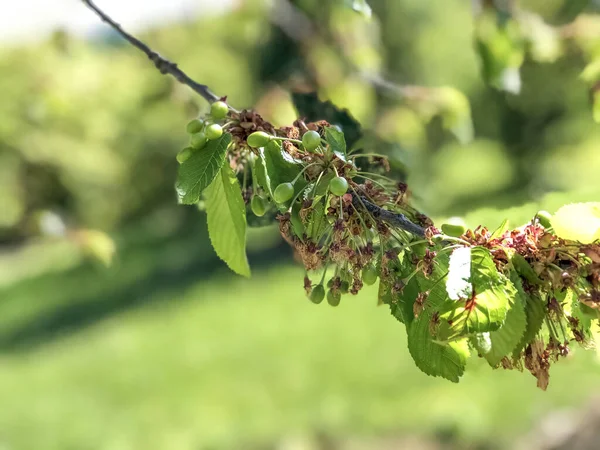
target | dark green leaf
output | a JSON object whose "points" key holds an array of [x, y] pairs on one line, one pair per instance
{"points": [[197, 172], [524, 269], [503, 228], [280, 166], [226, 216], [506, 339], [316, 219], [336, 140], [432, 357], [435, 358], [259, 170], [312, 109], [535, 312]]}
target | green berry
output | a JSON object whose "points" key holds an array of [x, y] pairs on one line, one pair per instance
{"points": [[454, 230], [345, 287], [544, 218], [283, 192], [311, 140], [214, 131], [338, 186], [258, 206], [219, 110], [184, 154], [369, 275], [330, 283], [198, 140], [258, 139], [317, 294], [195, 126], [333, 297]]}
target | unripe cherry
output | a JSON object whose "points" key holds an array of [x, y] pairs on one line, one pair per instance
{"points": [[283, 192], [544, 218], [184, 154], [333, 297], [258, 206], [317, 294], [338, 186], [194, 126], [369, 275], [258, 139], [219, 110], [311, 140], [214, 131], [198, 140]]}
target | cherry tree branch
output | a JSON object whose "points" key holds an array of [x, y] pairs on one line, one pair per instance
{"points": [[162, 64], [391, 218]]}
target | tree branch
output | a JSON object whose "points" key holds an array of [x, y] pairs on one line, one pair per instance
{"points": [[392, 218], [163, 65]]}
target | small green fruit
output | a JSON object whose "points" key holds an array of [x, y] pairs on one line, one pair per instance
{"points": [[198, 140], [338, 186], [345, 287], [184, 154], [330, 283], [369, 275], [283, 192], [453, 230], [544, 218], [258, 139], [317, 294], [333, 297], [311, 140], [195, 126], [258, 206], [219, 110], [214, 131]]}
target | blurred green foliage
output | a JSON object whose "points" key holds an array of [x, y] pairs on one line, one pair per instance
{"points": [[161, 341]]}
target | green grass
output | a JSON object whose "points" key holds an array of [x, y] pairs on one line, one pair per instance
{"points": [[168, 350], [230, 361]]}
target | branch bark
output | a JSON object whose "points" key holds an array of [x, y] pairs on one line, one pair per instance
{"points": [[391, 218], [162, 64]]}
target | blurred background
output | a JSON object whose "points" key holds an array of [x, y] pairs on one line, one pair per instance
{"points": [[119, 327]]}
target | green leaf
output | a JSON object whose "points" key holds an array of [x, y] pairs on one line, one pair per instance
{"points": [[280, 166], [200, 169], [535, 312], [312, 109], [259, 170], [434, 358], [316, 221], [578, 222], [524, 269], [359, 6], [226, 216], [486, 310], [297, 225], [336, 140], [506, 339], [458, 284], [323, 184], [503, 228], [401, 304]]}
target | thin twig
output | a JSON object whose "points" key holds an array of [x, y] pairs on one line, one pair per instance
{"points": [[163, 65], [392, 218]]}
